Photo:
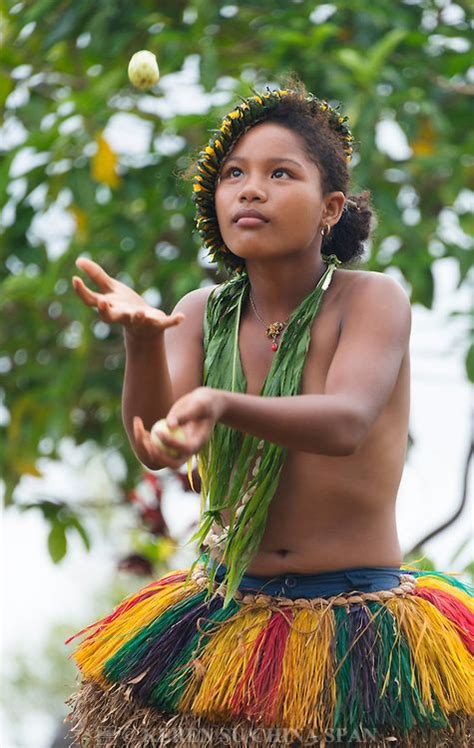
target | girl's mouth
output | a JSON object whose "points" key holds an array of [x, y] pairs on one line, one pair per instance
{"points": [[250, 222]]}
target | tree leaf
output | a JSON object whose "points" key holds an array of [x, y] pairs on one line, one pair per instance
{"points": [[76, 525], [57, 541], [470, 363]]}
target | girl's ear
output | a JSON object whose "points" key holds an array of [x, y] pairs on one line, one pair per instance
{"points": [[333, 207]]}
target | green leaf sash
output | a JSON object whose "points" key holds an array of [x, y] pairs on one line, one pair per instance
{"points": [[225, 460]]}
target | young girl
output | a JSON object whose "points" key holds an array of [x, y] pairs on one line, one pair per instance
{"points": [[291, 383]]}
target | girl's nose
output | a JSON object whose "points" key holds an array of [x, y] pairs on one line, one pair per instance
{"points": [[252, 190]]}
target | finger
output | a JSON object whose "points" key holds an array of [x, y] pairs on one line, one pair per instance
{"points": [[146, 452], [139, 320], [145, 319], [88, 296], [180, 445], [174, 319], [172, 421], [110, 313], [138, 430], [149, 451], [189, 409], [170, 441], [183, 445], [104, 310], [96, 272], [161, 320]]}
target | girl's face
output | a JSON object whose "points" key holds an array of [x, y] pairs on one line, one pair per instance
{"points": [[269, 171]]}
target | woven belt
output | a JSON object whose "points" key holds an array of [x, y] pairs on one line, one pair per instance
{"points": [[406, 587]]}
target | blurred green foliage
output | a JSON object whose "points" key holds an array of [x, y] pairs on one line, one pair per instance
{"points": [[64, 80], [38, 682]]}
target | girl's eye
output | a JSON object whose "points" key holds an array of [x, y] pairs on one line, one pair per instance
{"points": [[283, 170], [236, 168]]}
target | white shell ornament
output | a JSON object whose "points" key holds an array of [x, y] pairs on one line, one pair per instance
{"points": [[143, 70]]}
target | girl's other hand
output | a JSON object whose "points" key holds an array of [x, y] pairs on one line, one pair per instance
{"points": [[148, 453], [196, 413], [117, 302]]}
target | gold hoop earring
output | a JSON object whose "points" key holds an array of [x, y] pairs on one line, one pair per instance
{"points": [[325, 230]]}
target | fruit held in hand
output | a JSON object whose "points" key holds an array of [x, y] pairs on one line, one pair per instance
{"points": [[176, 433], [143, 70]]}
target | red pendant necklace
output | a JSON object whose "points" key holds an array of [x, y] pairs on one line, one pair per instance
{"points": [[274, 330]]}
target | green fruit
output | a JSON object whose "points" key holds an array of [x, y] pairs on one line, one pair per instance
{"points": [[162, 426]]}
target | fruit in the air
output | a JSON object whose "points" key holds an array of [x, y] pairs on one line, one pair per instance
{"points": [[143, 70], [176, 433]]}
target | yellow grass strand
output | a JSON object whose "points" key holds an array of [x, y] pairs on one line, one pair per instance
{"points": [[91, 655], [307, 672], [224, 660], [443, 664]]}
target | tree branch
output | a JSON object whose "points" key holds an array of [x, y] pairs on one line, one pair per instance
{"points": [[418, 546]]}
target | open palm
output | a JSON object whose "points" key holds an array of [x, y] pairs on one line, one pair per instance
{"points": [[117, 302]]}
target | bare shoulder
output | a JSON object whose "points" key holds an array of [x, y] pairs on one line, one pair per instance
{"points": [[357, 289], [193, 305], [197, 297], [352, 279]]}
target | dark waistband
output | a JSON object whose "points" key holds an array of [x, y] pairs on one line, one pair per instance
{"points": [[320, 584]]}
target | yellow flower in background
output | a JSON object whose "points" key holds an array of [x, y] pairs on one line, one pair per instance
{"points": [[164, 549], [81, 221], [103, 164], [424, 145]]}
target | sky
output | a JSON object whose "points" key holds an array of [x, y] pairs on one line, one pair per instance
{"points": [[36, 593]]}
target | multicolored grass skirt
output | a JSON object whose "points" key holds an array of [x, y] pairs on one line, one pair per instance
{"points": [[170, 667]]}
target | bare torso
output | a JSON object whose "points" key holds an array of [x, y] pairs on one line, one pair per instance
{"points": [[330, 512]]}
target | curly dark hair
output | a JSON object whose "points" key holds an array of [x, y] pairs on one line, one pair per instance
{"points": [[325, 140]]}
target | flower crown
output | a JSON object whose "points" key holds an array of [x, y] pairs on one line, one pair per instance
{"points": [[252, 110]]}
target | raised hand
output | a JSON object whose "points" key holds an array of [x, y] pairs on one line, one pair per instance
{"points": [[117, 302]]}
